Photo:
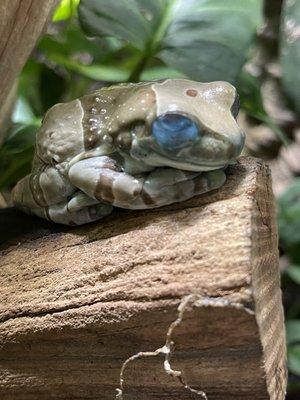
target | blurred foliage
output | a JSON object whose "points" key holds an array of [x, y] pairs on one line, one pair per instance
{"points": [[289, 220], [289, 231], [93, 43], [16, 153], [290, 50]]}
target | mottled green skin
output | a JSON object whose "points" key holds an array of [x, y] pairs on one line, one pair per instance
{"points": [[98, 151]]}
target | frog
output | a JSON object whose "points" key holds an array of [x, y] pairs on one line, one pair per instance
{"points": [[132, 146]]}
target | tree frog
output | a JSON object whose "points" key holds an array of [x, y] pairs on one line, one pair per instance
{"points": [[134, 146]]}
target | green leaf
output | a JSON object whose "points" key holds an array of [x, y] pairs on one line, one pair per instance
{"points": [[293, 331], [294, 359], [29, 85], [16, 154], [71, 41], [160, 72], [204, 39], [294, 273], [290, 50], [209, 39], [122, 19], [65, 10], [289, 217], [96, 72], [22, 112]]}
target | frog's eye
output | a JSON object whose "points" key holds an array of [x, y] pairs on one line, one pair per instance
{"points": [[174, 131]]}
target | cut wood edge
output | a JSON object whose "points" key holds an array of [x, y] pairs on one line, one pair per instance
{"points": [[267, 297]]}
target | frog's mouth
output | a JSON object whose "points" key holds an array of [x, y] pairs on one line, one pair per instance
{"points": [[151, 155], [159, 160]]}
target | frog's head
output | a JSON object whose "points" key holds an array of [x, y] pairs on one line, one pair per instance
{"points": [[187, 125]]}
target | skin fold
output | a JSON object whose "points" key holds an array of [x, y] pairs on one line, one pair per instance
{"points": [[134, 146]]}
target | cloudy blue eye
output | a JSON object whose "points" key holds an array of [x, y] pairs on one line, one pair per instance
{"points": [[174, 131]]}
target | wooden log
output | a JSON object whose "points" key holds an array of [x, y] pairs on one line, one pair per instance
{"points": [[76, 303], [21, 24]]}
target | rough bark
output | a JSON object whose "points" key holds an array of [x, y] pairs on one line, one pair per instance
{"points": [[76, 303], [21, 24]]}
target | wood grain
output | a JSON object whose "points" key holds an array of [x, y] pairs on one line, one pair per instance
{"points": [[21, 24], [77, 302]]}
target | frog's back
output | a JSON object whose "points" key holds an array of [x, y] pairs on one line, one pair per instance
{"points": [[60, 138], [71, 128]]}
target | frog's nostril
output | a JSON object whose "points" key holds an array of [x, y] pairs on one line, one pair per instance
{"points": [[174, 131]]}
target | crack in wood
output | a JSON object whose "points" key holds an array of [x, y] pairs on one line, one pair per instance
{"points": [[188, 301]]}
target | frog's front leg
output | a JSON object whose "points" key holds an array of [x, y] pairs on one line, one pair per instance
{"points": [[102, 179], [49, 194]]}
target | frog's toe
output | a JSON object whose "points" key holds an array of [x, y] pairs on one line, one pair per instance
{"points": [[72, 213], [79, 201], [210, 180]]}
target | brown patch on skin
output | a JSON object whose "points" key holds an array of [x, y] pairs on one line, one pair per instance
{"points": [[36, 190], [182, 188], [123, 141], [92, 212], [109, 164], [147, 199], [191, 92], [47, 214], [201, 184], [72, 223], [91, 140], [104, 189], [125, 197]]}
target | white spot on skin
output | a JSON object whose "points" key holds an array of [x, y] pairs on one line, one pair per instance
{"points": [[173, 107], [210, 94], [107, 138]]}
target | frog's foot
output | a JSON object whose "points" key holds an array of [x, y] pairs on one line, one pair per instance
{"points": [[100, 178], [78, 210], [166, 186]]}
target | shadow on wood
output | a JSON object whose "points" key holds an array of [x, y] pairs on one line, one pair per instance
{"points": [[76, 303]]}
